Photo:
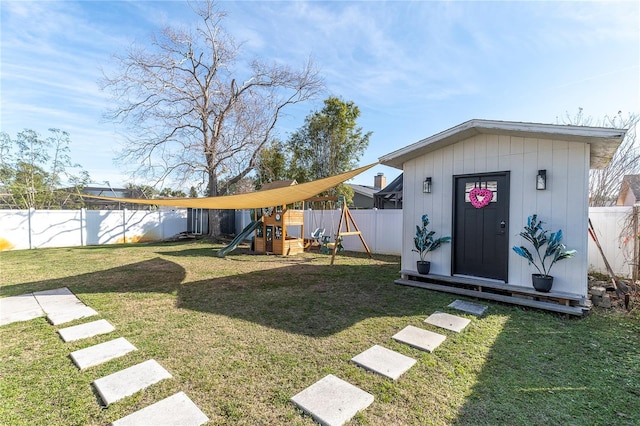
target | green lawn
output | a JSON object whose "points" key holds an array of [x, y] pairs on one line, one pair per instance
{"points": [[241, 335]]}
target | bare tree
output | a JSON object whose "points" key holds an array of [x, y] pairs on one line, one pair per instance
{"points": [[192, 112], [604, 184]]}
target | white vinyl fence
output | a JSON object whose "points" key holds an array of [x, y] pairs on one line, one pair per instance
{"points": [[609, 223], [382, 230], [28, 229]]}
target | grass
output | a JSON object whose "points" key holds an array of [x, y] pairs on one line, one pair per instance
{"points": [[241, 335]]}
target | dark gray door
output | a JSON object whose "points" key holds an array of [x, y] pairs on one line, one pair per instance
{"points": [[481, 231]]}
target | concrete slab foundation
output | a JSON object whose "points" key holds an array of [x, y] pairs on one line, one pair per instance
{"points": [[448, 321], [332, 401], [103, 352], [83, 331], [419, 338], [61, 306], [384, 361], [19, 308], [177, 410], [117, 386], [468, 307]]}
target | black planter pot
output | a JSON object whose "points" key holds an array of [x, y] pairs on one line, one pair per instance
{"points": [[542, 283], [423, 267]]}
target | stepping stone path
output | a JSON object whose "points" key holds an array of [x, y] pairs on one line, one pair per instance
{"points": [[83, 331], [19, 308], [332, 401], [468, 307], [384, 361], [419, 338], [448, 321], [177, 410], [103, 352], [60, 306], [116, 386]]}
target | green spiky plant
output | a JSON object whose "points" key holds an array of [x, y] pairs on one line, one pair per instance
{"points": [[424, 241], [538, 237]]}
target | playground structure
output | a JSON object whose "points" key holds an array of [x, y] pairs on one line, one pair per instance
{"points": [[273, 235]]}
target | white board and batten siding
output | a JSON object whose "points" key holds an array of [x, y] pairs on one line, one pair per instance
{"points": [[563, 205]]}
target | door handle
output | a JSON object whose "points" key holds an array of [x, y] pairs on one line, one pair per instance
{"points": [[501, 229]]}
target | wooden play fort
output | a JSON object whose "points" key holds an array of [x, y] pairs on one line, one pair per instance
{"points": [[281, 230]]}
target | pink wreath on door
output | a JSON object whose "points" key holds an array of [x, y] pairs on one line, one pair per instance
{"points": [[480, 197]]}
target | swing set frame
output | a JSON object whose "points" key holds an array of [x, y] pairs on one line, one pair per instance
{"points": [[350, 227]]}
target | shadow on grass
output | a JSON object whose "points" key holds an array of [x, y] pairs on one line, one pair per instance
{"points": [[543, 369], [298, 297], [154, 275]]}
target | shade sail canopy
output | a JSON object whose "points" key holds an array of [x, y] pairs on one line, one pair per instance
{"points": [[252, 200]]}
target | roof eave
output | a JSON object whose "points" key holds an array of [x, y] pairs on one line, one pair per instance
{"points": [[603, 141]]}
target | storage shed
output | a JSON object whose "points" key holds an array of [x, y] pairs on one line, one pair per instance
{"points": [[529, 168]]}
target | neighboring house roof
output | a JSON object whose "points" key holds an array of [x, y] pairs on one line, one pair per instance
{"points": [[367, 191], [278, 184], [391, 193], [109, 192], [603, 142], [630, 186]]}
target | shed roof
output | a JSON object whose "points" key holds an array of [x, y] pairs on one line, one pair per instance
{"points": [[603, 142]]}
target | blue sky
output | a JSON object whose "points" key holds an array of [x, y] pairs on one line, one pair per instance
{"points": [[413, 68]]}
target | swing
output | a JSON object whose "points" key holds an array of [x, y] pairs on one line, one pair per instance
{"points": [[316, 235]]}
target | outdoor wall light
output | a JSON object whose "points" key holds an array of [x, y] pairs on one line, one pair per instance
{"points": [[541, 180], [426, 185]]}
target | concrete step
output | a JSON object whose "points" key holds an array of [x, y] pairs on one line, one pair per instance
{"points": [[332, 401], [83, 331], [419, 338], [468, 307], [61, 306], [448, 321], [176, 410], [384, 361], [100, 353], [117, 386], [19, 308]]}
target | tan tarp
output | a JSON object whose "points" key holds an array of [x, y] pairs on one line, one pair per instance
{"points": [[252, 200]]}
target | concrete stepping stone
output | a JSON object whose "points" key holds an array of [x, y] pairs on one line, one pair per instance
{"points": [[61, 306], [419, 338], [103, 352], [468, 307], [177, 410], [448, 321], [117, 386], [83, 331], [384, 361], [332, 401], [19, 308]]}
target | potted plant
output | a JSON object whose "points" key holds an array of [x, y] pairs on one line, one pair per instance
{"points": [[425, 243], [544, 260]]}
